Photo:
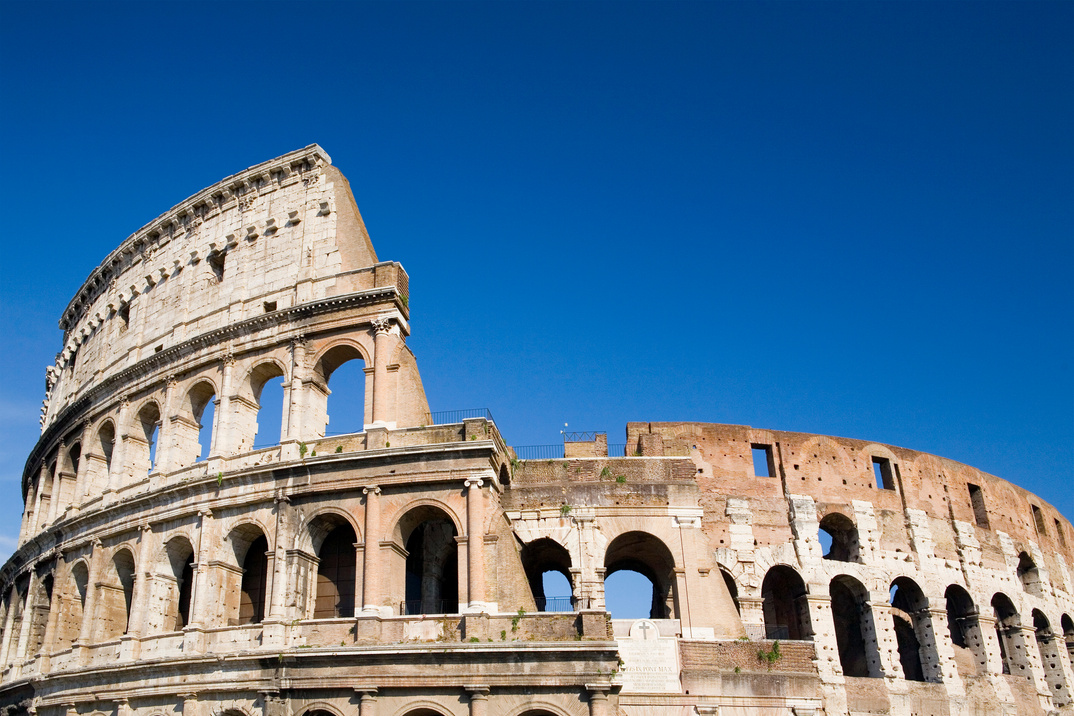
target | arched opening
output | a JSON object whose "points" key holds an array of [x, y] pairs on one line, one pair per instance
{"points": [[432, 561], [853, 625], [839, 537], [336, 568], [645, 555], [1048, 647], [965, 630], [1068, 634], [269, 413], [65, 478], [243, 585], [71, 614], [547, 564], [254, 575], [114, 597], [339, 373], [913, 631], [783, 600], [174, 584], [423, 712], [1009, 635], [144, 442], [22, 592], [732, 588], [41, 605], [100, 459], [203, 409], [1028, 574]]}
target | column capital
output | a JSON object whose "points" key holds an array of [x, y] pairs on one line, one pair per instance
{"points": [[371, 489], [474, 481], [366, 692], [477, 692], [382, 325]]}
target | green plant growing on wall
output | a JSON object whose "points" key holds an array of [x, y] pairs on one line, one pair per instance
{"points": [[503, 635], [770, 656], [620, 479], [302, 449], [516, 619], [339, 448], [219, 478], [313, 454], [404, 300], [565, 510], [605, 473]]}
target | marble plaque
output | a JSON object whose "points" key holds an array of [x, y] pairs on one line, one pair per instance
{"points": [[650, 661]]}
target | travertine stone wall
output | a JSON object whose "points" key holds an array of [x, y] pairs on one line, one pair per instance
{"points": [[396, 570]]}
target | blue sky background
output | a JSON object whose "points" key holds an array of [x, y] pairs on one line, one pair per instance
{"points": [[853, 219]]}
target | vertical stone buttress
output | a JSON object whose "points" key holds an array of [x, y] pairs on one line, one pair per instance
{"points": [[475, 543]]}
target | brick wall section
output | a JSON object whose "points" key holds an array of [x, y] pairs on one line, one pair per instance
{"points": [[797, 656]]}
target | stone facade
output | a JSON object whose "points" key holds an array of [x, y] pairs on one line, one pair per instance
{"points": [[397, 570]]}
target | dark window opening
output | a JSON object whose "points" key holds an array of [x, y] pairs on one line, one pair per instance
{"points": [[432, 568], [124, 314], [186, 581], [839, 538], [980, 512], [335, 575], [216, 263], [270, 306], [882, 472], [783, 601], [1038, 519], [254, 572], [763, 464]]}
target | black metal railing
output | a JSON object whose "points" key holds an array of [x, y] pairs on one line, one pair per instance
{"points": [[539, 452], [617, 450], [555, 604], [419, 606], [449, 417], [584, 436]]}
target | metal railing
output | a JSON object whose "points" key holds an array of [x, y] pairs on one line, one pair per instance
{"points": [[617, 450], [449, 417], [419, 606], [539, 452], [585, 436], [555, 604]]}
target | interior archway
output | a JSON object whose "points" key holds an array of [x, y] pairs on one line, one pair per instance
{"points": [[543, 557], [648, 556], [431, 570], [783, 599]]}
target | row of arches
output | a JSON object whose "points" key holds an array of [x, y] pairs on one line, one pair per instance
{"points": [[787, 616], [211, 414]]}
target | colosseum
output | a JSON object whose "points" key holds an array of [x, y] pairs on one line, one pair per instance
{"points": [[172, 564]]}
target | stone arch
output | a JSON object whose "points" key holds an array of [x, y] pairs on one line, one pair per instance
{"points": [[329, 359], [18, 613], [69, 459], [732, 587], [244, 586], [403, 521], [99, 457], [1067, 624], [143, 438], [546, 555], [115, 591], [823, 456], [843, 534], [247, 406], [1048, 646], [318, 708], [913, 631], [783, 600], [332, 535], [197, 411], [855, 631], [539, 708], [964, 627], [429, 565], [423, 707], [1028, 574], [318, 524], [646, 554], [1009, 633], [73, 600], [40, 605], [172, 585]]}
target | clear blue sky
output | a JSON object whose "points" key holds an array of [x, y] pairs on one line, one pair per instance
{"points": [[845, 218]]}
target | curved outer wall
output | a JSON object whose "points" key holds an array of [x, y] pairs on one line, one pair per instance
{"points": [[172, 564]]}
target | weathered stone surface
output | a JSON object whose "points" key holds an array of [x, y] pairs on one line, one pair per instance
{"points": [[397, 570]]}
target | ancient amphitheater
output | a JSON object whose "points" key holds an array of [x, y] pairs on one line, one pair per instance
{"points": [[398, 571]]}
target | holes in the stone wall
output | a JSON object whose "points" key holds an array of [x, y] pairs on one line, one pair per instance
{"points": [[882, 473], [159, 348], [1028, 574], [763, 463], [124, 314], [269, 306], [1038, 520], [980, 511], [216, 264]]}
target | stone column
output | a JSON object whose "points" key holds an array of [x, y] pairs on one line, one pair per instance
{"points": [[54, 501], [85, 634], [479, 699], [223, 420], [193, 640], [191, 707], [598, 699], [880, 629], [371, 596], [822, 622], [278, 588], [27, 618], [9, 623], [367, 700], [475, 544], [140, 598], [118, 468], [55, 608], [39, 519], [28, 514], [945, 649], [1036, 666], [166, 441], [382, 404]]}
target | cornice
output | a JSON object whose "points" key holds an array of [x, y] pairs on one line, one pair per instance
{"points": [[211, 197]]}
